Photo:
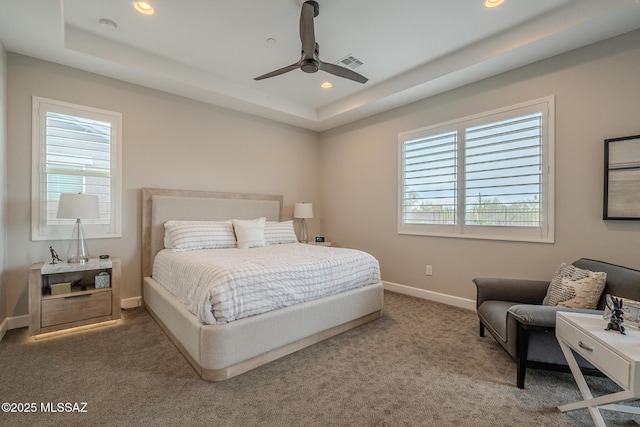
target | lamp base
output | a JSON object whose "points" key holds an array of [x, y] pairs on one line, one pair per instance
{"points": [[303, 232], [78, 251]]}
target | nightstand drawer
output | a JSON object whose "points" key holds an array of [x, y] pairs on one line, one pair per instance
{"points": [[74, 307], [610, 363]]}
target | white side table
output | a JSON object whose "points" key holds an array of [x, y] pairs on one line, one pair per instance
{"points": [[615, 354]]}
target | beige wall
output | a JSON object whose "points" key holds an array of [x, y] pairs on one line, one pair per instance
{"points": [[178, 143], [3, 182], [168, 142], [597, 92]]}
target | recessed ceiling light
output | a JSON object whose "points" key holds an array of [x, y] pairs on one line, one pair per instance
{"points": [[271, 40], [143, 7], [326, 85], [493, 3]]}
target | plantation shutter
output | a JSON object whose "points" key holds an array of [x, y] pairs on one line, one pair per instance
{"points": [[486, 176], [77, 159], [429, 181], [503, 173]]}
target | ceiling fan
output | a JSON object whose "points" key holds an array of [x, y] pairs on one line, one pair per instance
{"points": [[309, 61]]}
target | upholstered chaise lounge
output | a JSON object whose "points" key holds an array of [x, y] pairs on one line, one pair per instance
{"points": [[512, 311]]}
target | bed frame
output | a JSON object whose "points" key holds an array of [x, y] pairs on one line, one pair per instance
{"points": [[219, 352]]}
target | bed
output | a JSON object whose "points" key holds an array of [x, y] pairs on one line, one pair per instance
{"points": [[221, 351]]}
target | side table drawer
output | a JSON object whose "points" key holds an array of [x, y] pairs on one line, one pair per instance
{"points": [[75, 307], [613, 365]]}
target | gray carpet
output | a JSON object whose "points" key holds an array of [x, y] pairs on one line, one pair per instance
{"points": [[421, 364]]}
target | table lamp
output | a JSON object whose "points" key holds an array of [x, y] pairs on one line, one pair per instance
{"points": [[303, 211], [78, 206]]}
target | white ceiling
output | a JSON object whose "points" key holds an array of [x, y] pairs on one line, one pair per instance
{"points": [[211, 50]]}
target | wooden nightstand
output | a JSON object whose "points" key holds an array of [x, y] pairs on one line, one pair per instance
{"points": [[49, 313]]}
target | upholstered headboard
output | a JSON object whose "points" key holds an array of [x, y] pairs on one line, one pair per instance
{"points": [[161, 205]]}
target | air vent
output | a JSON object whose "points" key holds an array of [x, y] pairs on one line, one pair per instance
{"points": [[349, 61]]}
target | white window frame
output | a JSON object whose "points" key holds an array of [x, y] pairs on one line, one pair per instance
{"points": [[543, 234], [40, 230]]}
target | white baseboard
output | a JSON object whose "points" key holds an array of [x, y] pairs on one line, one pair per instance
{"points": [[131, 303], [18, 322], [431, 296]]}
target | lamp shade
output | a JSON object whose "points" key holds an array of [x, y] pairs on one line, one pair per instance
{"points": [[78, 206], [303, 210]]}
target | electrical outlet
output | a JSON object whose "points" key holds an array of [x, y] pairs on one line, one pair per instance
{"points": [[429, 270]]}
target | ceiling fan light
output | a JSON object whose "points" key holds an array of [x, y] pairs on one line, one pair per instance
{"points": [[493, 3], [309, 66], [143, 7]]}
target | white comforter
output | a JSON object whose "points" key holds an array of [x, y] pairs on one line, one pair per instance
{"points": [[222, 285]]}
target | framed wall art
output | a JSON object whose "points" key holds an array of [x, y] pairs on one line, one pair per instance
{"points": [[622, 178]]}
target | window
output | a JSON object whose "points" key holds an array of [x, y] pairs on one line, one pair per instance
{"points": [[76, 149], [487, 176]]}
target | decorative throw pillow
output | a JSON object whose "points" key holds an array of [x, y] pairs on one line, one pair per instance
{"points": [[276, 233], [574, 287], [195, 235], [249, 232]]}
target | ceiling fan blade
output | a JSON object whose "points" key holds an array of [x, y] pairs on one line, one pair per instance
{"points": [[309, 61], [307, 33], [339, 71], [279, 71]]}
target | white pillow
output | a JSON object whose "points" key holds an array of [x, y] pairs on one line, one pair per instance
{"points": [[276, 233], [249, 232], [195, 235]]}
